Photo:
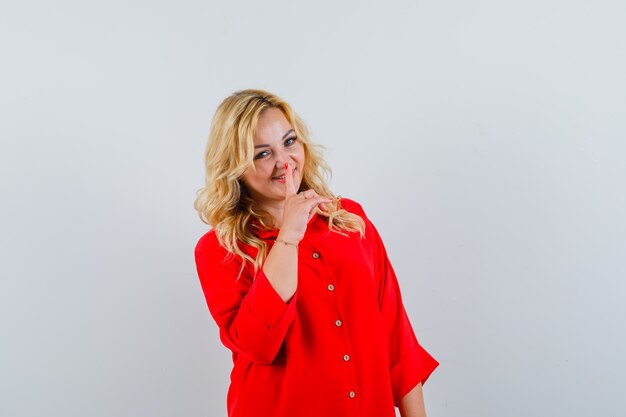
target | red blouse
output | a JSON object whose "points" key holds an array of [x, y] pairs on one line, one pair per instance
{"points": [[342, 346]]}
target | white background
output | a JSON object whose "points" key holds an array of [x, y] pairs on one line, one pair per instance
{"points": [[485, 139]]}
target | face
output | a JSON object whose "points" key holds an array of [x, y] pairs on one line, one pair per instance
{"points": [[275, 143]]}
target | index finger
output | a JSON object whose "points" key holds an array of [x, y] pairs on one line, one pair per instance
{"points": [[317, 201], [290, 188]]}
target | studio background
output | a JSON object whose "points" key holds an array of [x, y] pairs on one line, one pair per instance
{"points": [[485, 140]]}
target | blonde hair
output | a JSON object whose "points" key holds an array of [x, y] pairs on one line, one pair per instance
{"points": [[226, 205]]}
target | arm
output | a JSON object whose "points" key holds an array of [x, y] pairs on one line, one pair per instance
{"points": [[252, 317], [412, 404], [410, 365], [253, 311], [281, 268], [281, 265]]}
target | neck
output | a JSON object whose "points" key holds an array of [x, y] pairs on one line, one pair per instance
{"points": [[276, 211]]}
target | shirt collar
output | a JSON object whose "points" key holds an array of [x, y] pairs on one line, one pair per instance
{"points": [[264, 233]]}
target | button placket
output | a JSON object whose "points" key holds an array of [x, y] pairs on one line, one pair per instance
{"points": [[338, 323]]}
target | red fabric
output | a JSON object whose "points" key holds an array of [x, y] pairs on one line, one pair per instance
{"points": [[289, 357]]}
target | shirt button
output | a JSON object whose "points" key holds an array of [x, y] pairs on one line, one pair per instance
{"points": [[346, 358], [331, 287], [316, 255], [352, 394], [338, 323]]}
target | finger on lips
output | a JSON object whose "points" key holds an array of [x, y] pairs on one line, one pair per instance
{"points": [[289, 185], [310, 196]]}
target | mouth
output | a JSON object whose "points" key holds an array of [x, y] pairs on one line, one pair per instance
{"points": [[281, 178]]}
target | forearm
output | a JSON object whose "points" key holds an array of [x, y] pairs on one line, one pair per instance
{"points": [[412, 404], [281, 269]]}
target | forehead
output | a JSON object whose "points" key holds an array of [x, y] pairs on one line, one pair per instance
{"points": [[272, 126]]}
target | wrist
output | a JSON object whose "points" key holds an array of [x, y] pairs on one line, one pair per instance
{"points": [[288, 238], [284, 242]]}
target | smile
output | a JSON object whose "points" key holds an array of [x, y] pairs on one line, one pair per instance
{"points": [[281, 178]]}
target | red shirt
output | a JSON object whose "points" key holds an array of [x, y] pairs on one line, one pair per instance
{"points": [[342, 346]]}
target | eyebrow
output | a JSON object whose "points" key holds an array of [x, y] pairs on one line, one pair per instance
{"points": [[264, 145]]}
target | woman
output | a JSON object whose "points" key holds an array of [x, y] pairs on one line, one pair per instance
{"points": [[297, 279]]}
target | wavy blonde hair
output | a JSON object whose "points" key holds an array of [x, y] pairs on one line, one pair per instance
{"points": [[226, 205]]}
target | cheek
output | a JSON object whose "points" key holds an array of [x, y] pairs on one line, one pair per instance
{"points": [[298, 153], [263, 171]]}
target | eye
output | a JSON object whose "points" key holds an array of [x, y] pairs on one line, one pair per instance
{"points": [[261, 154], [290, 141]]}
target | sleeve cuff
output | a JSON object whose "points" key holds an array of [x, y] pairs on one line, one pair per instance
{"points": [[412, 370], [266, 304]]}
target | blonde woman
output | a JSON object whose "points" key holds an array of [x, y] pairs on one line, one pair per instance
{"points": [[297, 279]]}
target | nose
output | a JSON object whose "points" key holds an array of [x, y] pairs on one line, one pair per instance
{"points": [[281, 157]]}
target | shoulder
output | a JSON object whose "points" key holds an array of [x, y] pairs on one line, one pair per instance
{"points": [[207, 241], [355, 207], [352, 206], [215, 264], [209, 247], [210, 251]]}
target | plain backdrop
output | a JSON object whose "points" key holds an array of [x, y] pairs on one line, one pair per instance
{"points": [[485, 139]]}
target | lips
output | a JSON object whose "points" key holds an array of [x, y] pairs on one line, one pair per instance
{"points": [[282, 176]]}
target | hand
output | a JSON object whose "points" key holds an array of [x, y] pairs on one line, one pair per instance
{"points": [[298, 209]]}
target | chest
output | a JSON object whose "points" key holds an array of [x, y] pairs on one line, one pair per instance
{"points": [[342, 264]]}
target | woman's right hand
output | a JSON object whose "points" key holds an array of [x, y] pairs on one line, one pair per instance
{"points": [[298, 209]]}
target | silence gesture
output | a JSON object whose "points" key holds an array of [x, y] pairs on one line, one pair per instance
{"points": [[298, 208]]}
